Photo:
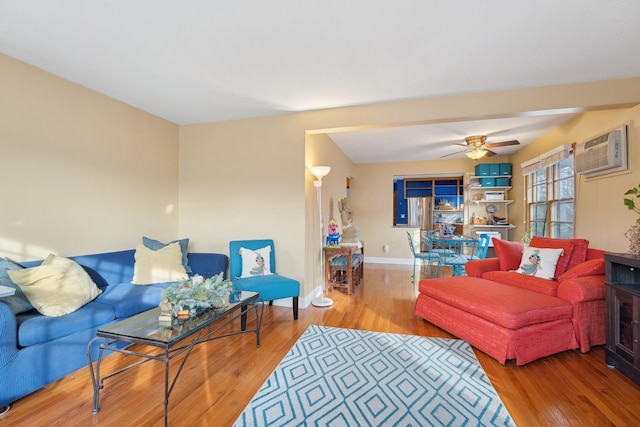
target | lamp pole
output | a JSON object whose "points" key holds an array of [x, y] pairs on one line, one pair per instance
{"points": [[320, 172]]}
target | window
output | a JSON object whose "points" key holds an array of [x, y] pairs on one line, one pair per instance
{"points": [[550, 194], [415, 197]]}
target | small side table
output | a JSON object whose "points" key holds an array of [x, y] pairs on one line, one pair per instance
{"points": [[347, 251]]}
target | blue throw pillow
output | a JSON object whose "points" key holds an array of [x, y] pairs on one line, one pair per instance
{"points": [[184, 245], [18, 303]]}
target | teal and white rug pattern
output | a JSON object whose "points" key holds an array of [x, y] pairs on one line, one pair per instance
{"points": [[349, 377]]}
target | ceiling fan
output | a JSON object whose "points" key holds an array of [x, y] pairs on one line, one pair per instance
{"points": [[477, 147]]}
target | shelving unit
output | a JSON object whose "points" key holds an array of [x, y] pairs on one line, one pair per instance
{"points": [[449, 191], [475, 202]]}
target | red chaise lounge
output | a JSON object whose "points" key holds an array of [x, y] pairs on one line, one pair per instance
{"points": [[510, 315]]}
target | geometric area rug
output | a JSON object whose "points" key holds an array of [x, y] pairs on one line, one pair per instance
{"points": [[350, 377]]}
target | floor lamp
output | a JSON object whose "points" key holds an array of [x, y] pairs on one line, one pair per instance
{"points": [[320, 172]]}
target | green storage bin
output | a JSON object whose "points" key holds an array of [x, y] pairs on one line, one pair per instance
{"points": [[503, 182], [494, 169], [488, 182]]}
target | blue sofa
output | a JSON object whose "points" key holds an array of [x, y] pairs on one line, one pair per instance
{"points": [[36, 350]]}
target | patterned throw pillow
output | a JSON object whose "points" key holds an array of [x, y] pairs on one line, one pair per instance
{"points": [[539, 262], [256, 263], [549, 242], [577, 255]]}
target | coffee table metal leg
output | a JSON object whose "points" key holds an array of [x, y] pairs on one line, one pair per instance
{"points": [[243, 318], [95, 373], [259, 306], [167, 392]]}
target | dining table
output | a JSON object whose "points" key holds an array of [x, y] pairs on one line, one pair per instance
{"points": [[454, 250]]}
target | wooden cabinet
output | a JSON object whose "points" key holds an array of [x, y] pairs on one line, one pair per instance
{"points": [[623, 314]]}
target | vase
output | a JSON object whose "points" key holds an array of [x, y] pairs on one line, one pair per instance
{"points": [[633, 234]]}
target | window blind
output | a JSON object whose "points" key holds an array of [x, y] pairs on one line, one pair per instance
{"points": [[530, 166], [547, 159]]}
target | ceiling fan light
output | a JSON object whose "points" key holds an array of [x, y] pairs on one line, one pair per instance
{"points": [[476, 154], [476, 140]]}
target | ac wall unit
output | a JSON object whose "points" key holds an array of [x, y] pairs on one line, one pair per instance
{"points": [[604, 154]]}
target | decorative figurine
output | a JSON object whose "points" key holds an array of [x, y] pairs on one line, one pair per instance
{"points": [[350, 233], [333, 237], [165, 311]]}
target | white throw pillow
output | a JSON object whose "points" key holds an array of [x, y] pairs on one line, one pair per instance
{"points": [[56, 287], [256, 263], [539, 262], [158, 266]]}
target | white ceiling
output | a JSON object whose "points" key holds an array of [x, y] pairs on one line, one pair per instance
{"points": [[434, 141], [193, 61]]}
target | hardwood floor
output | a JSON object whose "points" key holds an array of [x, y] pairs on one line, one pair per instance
{"points": [[221, 377]]}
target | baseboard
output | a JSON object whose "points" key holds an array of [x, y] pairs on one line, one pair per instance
{"points": [[377, 260], [303, 301]]}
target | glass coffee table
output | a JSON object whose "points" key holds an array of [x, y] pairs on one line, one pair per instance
{"points": [[6, 291], [168, 341]]}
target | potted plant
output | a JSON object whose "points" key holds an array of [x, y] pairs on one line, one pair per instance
{"points": [[633, 233], [526, 237]]}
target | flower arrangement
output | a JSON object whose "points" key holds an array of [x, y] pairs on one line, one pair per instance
{"points": [[197, 293], [446, 230]]}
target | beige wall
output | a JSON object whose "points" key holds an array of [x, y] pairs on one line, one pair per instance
{"points": [[373, 196], [245, 179], [82, 172], [602, 218], [86, 173], [601, 215], [320, 151]]}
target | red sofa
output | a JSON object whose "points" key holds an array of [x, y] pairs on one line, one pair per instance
{"points": [[509, 315]]}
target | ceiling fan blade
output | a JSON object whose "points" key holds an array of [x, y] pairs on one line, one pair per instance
{"points": [[503, 143], [453, 154], [490, 153]]}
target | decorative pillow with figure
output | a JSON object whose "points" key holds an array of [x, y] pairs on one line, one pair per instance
{"points": [[256, 263], [539, 262]]}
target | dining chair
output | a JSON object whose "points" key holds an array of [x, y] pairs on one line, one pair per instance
{"points": [[470, 249], [426, 258], [483, 245]]}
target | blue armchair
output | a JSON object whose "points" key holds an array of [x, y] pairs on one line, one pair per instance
{"points": [[270, 287]]}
